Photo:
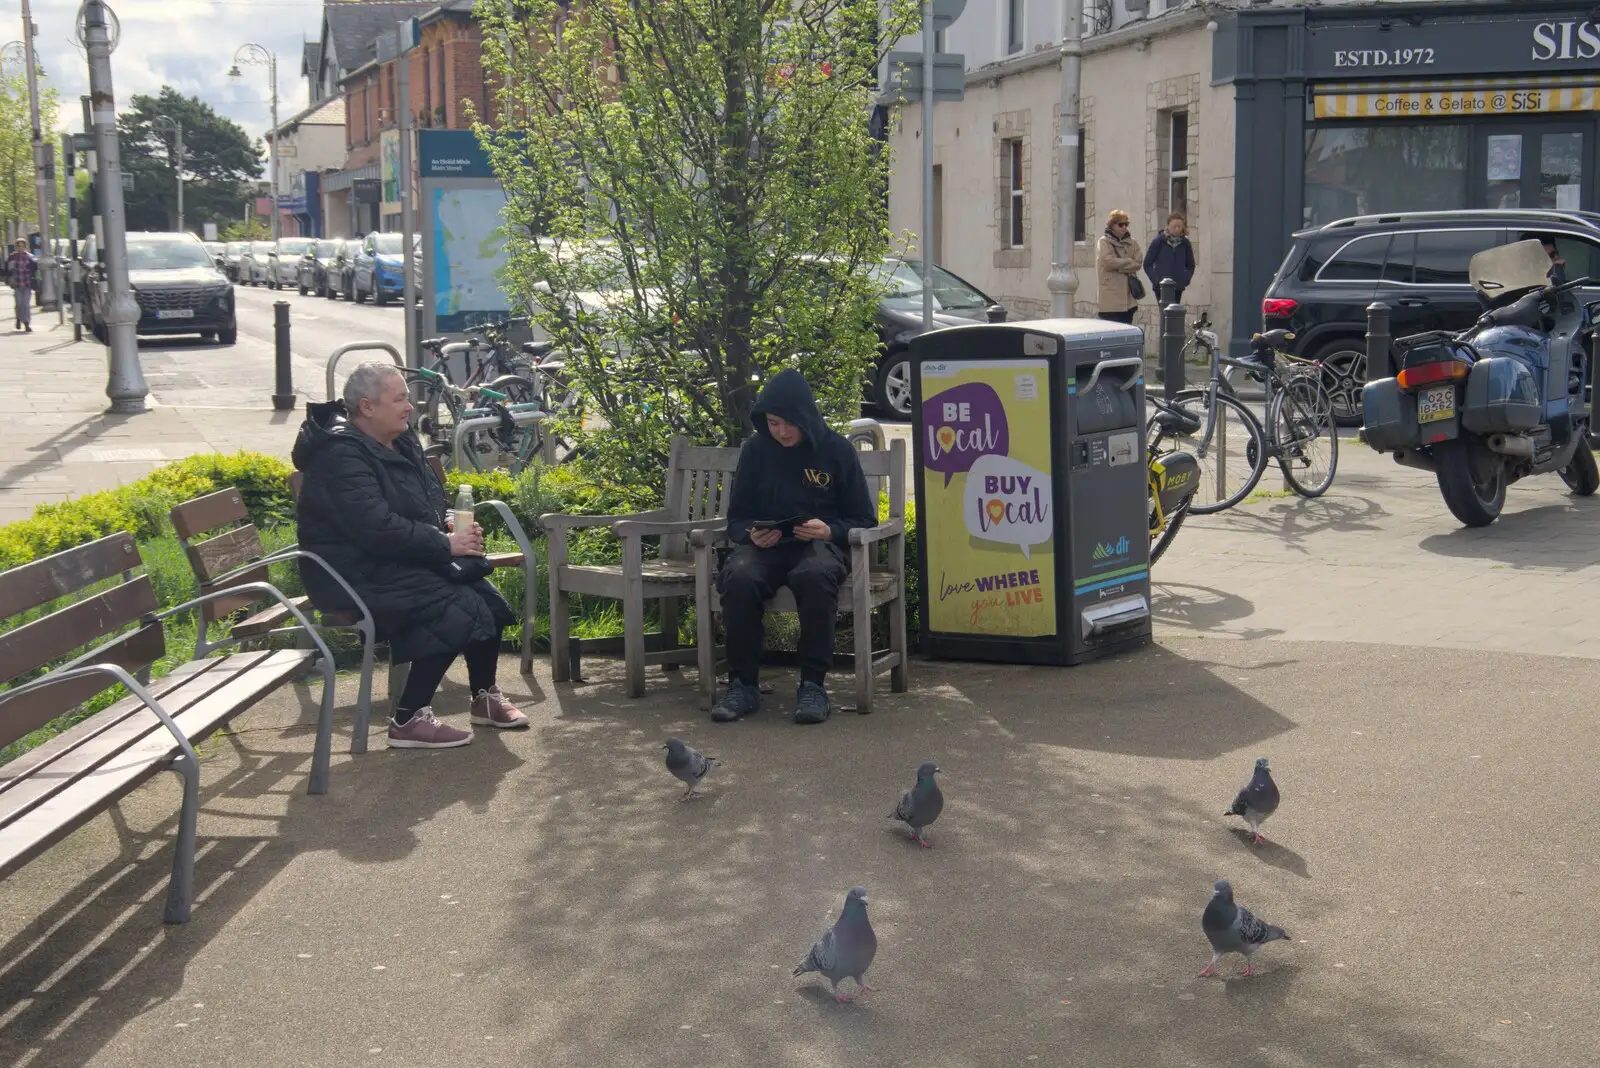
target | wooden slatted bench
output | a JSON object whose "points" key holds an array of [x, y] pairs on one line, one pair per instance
{"points": [[49, 791]]}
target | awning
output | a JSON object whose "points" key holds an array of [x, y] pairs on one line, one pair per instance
{"points": [[1456, 99]]}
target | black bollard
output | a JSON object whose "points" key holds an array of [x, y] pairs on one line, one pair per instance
{"points": [[1172, 328], [1380, 351], [283, 398]]}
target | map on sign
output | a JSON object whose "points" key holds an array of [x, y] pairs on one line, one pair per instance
{"points": [[468, 252]]}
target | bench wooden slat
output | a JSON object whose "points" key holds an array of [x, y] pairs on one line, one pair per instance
{"points": [[600, 579], [57, 756], [221, 554], [192, 518], [43, 581], [267, 619], [20, 715], [70, 808], [59, 633], [499, 560]]}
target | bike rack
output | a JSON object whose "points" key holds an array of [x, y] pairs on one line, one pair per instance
{"points": [[361, 346], [459, 432]]}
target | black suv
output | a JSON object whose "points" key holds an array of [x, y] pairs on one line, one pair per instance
{"points": [[1416, 262], [180, 290]]}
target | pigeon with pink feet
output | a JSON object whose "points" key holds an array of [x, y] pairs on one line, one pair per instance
{"points": [[1257, 801], [846, 949], [1234, 929]]}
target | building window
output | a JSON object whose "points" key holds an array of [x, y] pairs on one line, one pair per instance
{"points": [[1014, 175], [1175, 163], [366, 113], [1014, 25], [388, 77], [427, 88], [1080, 209], [1369, 170], [444, 92]]}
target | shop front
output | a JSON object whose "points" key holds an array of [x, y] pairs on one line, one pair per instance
{"points": [[1425, 107]]}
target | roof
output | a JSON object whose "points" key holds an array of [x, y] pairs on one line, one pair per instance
{"points": [[329, 112], [310, 59], [355, 24]]}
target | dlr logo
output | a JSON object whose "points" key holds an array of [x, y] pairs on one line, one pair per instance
{"points": [[957, 413]]}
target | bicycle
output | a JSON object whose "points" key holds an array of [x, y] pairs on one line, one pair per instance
{"points": [[1299, 423], [512, 443], [1174, 475]]}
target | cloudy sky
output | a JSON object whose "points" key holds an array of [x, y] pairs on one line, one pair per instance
{"points": [[187, 44]]}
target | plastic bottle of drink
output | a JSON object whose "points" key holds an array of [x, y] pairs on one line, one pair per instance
{"points": [[464, 508]]}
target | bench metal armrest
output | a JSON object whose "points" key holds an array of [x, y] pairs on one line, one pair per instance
{"points": [[882, 532], [293, 552], [634, 528], [560, 522], [518, 535], [121, 675], [711, 537], [259, 587]]}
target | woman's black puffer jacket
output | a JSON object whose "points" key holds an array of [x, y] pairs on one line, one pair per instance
{"points": [[376, 515]]}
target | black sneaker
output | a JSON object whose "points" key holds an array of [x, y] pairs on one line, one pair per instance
{"points": [[811, 703], [738, 701]]}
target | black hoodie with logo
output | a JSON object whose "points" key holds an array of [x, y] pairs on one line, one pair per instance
{"points": [[819, 478]]}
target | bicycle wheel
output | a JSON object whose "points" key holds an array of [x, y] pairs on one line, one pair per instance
{"points": [[1159, 540], [441, 410], [1305, 435], [1230, 446]]}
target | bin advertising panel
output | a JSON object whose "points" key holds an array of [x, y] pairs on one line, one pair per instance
{"points": [[988, 514]]}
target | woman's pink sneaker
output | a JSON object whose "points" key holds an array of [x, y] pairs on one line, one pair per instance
{"points": [[422, 731], [491, 709]]}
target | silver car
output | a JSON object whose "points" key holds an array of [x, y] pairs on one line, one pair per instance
{"points": [[256, 262], [283, 263]]}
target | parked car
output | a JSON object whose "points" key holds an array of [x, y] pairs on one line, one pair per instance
{"points": [[341, 268], [231, 254], [256, 262], [1415, 262], [217, 250], [179, 288], [283, 262], [377, 268], [312, 275]]}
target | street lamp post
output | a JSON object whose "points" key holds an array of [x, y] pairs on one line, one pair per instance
{"points": [[43, 175], [256, 55], [163, 122], [1062, 281]]}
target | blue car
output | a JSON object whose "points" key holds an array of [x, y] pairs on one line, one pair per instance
{"points": [[378, 268]]}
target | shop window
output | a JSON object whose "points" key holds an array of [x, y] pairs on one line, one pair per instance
{"points": [[1014, 25], [1359, 261], [1013, 175], [1080, 224], [1174, 162], [1370, 170]]}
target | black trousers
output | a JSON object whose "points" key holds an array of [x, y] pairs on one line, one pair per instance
{"points": [[483, 660], [813, 571]]}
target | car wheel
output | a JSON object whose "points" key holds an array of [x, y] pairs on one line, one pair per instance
{"points": [[230, 335], [208, 335], [891, 392], [302, 288], [379, 297], [1344, 374], [349, 291]]}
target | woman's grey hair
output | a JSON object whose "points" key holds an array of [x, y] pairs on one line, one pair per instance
{"points": [[366, 383]]}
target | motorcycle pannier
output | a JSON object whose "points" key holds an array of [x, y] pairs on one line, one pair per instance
{"points": [[1502, 397], [1390, 416]]}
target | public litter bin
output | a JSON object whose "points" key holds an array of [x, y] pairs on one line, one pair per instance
{"points": [[1031, 490]]}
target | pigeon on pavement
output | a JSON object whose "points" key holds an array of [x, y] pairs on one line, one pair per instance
{"points": [[1257, 801], [688, 764], [921, 804], [1234, 929], [846, 949]]}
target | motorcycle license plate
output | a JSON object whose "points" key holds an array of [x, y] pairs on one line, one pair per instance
{"points": [[1436, 404]]}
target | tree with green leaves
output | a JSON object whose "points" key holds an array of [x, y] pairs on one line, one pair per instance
{"points": [[19, 203], [693, 195], [219, 158]]}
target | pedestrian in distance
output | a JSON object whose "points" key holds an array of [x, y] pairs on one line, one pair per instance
{"points": [[1170, 256], [22, 272], [1116, 264]]}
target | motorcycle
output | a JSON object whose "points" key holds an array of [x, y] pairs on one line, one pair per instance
{"points": [[1505, 399]]}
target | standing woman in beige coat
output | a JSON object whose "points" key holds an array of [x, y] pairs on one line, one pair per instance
{"points": [[1116, 265]]}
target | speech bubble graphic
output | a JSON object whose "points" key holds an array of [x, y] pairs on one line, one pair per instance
{"points": [[1008, 501], [962, 424]]}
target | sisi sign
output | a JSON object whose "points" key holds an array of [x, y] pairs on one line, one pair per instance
{"points": [[988, 504]]}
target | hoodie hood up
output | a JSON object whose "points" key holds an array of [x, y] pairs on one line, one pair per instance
{"points": [[788, 395]]}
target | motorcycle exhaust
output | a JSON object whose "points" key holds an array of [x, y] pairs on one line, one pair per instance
{"points": [[1511, 445], [1412, 458]]}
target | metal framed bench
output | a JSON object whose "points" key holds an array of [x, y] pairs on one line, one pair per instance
{"points": [[877, 580], [50, 791], [699, 480]]}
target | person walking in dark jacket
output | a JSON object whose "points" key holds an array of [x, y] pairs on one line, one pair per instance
{"points": [[22, 273], [1170, 256], [797, 494], [375, 511]]}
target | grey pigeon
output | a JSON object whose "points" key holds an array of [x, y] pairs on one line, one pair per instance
{"points": [[1257, 801], [688, 764], [846, 949], [1234, 929], [921, 804]]}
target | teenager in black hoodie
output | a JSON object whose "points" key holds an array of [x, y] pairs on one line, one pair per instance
{"points": [[796, 496]]}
